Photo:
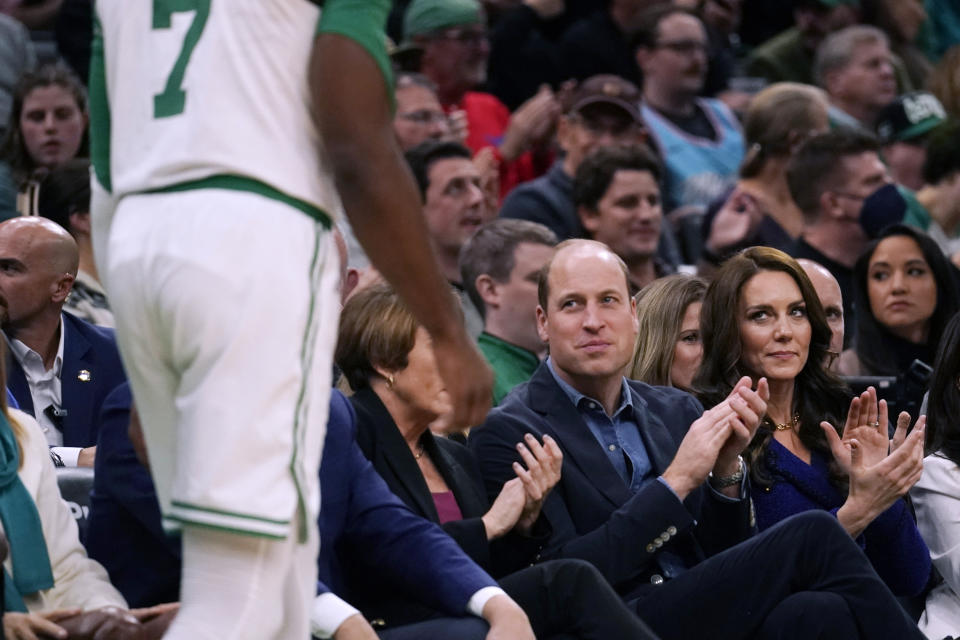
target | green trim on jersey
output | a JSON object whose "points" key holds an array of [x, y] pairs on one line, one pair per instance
{"points": [[242, 183], [99, 111], [363, 21], [242, 523]]}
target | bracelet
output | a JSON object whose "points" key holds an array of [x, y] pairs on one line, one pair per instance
{"points": [[728, 481]]}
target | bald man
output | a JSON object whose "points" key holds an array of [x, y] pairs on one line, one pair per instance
{"points": [[828, 290], [59, 368]]}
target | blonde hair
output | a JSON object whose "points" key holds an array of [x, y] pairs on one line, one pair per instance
{"points": [[18, 432], [661, 306], [778, 118]]}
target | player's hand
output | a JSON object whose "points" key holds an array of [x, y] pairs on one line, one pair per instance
{"points": [[506, 619], [32, 626], [355, 628], [468, 380]]}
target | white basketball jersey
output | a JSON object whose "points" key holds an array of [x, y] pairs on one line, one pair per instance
{"points": [[202, 88]]}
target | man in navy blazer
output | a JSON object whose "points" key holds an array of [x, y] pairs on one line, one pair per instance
{"points": [[59, 368], [653, 489], [365, 531]]}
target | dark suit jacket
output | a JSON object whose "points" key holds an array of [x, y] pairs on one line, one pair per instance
{"points": [[372, 547], [124, 532], [381, 442], [593, 513], [88, 348]]}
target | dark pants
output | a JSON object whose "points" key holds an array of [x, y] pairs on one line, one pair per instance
{"points": [[803, 579], [564, 599], [571, 599]]}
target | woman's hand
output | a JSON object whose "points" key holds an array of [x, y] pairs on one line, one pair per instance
{"points": [[506, 509], [736, 221], [867, 423], [33, 626], [541, 475], [875, 487]]}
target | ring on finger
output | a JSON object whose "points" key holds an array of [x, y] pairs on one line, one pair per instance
{"points": [[875, 424]]}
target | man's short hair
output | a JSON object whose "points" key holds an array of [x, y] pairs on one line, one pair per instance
{"points": [[647, 32], [421, 158], [491, 251], [597, 170], [816, 167], [65, 191], [836, 51], [943, 152], [543, 282]]}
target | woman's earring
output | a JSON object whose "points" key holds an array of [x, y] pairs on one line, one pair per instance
{"points": [[390, 381]]}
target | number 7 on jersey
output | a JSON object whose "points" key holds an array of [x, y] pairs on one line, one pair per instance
{"points": [[172, 100]]}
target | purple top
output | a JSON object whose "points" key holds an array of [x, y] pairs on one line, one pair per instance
{"points": [[447, 508]]}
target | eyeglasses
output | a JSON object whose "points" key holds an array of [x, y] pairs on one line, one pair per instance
{"points": [[468, 37], [424, 116], [685, 47]]}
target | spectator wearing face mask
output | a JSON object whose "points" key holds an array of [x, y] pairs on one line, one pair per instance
{"points": [[846, 196]]}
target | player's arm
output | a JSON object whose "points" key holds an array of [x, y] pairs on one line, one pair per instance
{"points": [[352, 105]]}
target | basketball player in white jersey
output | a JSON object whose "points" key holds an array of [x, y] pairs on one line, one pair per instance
{"points": [[222, 133]]}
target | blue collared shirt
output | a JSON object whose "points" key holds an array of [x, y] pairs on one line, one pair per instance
{"points": [[618, 434]]}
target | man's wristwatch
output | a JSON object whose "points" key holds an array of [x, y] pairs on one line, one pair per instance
{"points": [[722, 482]]}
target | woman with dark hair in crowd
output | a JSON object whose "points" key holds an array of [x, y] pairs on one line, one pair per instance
{"points": [[668, 349], [905, 291], [48, 126], [761, 317], [388, 360], [936, 497]]}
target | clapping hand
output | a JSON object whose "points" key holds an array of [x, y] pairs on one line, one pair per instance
{"points": [[734, 223], [867, 423], [542, 472]]}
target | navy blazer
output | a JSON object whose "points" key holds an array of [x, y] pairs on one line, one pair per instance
{"points": [[373, 547], [86, 348], [367, 535], [593, 513], [124, 530]]}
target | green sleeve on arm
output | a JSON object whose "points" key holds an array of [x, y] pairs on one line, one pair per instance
{"points": [[363, 22], [99, 111]]}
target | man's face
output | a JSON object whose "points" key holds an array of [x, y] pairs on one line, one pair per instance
{"points": [[517, 297], [590, 322], [628, 216], [454, 207], [27, 278], [868, 78], [828, 290], [419, 117], [593, 127], [678, 61], [863, 174], [905, 160], [457, 56]]}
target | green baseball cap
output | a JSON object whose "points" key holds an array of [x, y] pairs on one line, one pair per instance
{"points": [[425, 16]]}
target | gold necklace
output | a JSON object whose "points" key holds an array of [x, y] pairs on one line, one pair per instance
{"points": [[419, 452], [784, 426]]}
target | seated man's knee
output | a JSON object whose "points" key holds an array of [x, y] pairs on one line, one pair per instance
{"points": [[810, 615]]}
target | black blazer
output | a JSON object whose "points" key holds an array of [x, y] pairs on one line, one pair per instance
{"points": [[380, 440], [593, 514]]}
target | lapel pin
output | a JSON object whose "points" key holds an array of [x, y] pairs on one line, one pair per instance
{"points": [[83, 376]]}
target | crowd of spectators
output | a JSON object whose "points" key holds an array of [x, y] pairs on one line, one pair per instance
{"points": [[710, 250]]}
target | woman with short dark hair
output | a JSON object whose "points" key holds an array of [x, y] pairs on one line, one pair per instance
{"points": [[761, 317]]}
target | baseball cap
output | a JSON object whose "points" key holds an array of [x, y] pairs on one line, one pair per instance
{"points": [[909, 116], [606, 89], [424, 16]]}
